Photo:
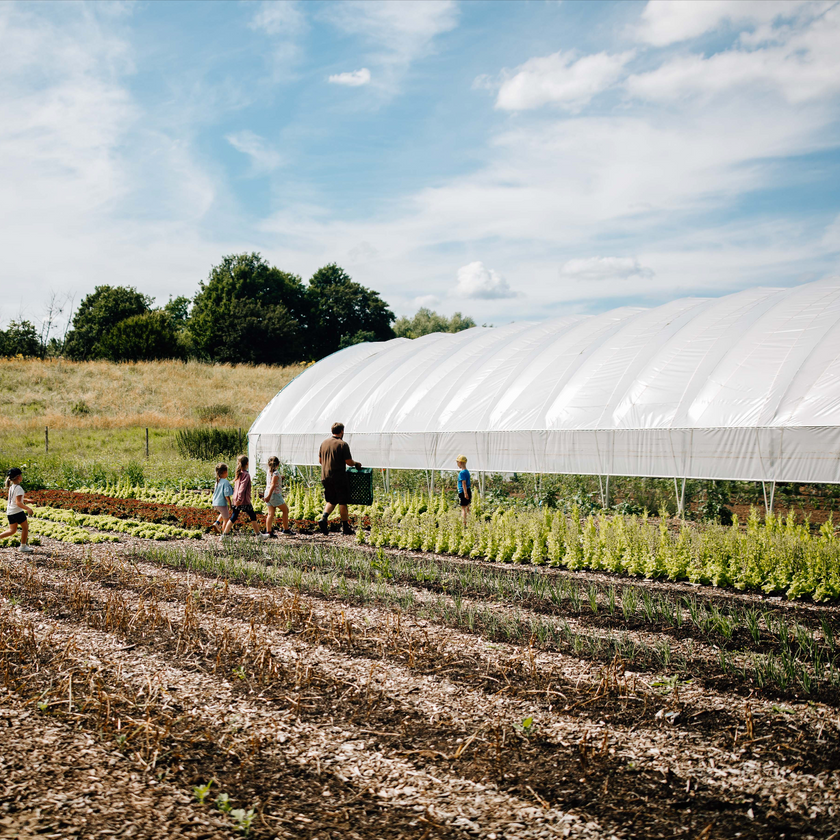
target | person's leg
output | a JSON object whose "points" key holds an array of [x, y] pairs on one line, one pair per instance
{"points": [[284, 510], [24, 532], [343, 513], [465, 510], [11, 532], [269, 520], [329, 507]]}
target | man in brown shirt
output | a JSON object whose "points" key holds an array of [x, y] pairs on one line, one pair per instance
{"points": [[334, 458]]}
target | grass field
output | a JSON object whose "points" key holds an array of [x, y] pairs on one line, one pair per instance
{"points": [[102, 395]]}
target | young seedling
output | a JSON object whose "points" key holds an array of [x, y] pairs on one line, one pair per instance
{"points": [[223, 803], [243, 819], [201, 791]]}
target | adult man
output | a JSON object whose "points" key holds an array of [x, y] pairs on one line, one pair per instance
{"points": [[334, 458]]}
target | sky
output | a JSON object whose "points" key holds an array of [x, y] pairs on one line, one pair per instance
{"points": [[509, 160]]}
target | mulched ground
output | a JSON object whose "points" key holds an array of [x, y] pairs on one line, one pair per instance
{"points": [[128, 684]]}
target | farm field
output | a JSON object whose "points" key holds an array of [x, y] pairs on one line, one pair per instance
{"points": [[318, 687]]}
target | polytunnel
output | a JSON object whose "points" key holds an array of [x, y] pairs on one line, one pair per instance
{"points": [[745, 386]]}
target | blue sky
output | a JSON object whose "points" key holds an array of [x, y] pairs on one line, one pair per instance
{"points": [[508, 160]]}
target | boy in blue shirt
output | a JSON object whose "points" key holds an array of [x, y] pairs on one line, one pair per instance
{"points": [[464, 486]]}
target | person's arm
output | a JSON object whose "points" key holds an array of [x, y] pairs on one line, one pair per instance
{"points": [[466, 484], [349, 460], [23, 505], [269, 492]]}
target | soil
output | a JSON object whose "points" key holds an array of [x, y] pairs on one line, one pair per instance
{"points": [[131, 684]]}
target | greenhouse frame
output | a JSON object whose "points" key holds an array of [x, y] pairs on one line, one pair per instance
{"points": [[744, 387]]}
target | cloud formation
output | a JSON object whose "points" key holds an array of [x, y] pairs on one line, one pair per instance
{"points": [[263, 157], [397, 32], [597, 269], [475, 280], [666, 22], [560, 79], [354, 78]]}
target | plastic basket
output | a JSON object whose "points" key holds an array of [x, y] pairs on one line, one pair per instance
{"points": [[360, 485]]}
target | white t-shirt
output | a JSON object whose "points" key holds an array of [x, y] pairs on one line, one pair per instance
{"points": [[15, 493]]}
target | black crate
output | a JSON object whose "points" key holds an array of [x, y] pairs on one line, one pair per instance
{"points": [[360, 485]]}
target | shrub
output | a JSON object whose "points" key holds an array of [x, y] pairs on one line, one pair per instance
{"points": [[208, 444]]}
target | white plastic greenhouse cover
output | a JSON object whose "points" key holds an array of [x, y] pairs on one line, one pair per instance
{"points": [[745, 386]]}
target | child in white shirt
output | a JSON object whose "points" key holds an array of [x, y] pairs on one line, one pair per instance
{"points": [[17, 509]]}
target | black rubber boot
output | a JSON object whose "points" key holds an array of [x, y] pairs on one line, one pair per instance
{"points": [[346, 529], [323, 525]]}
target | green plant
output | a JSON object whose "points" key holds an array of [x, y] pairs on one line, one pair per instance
{"points": [[223, 803], [201, 792], [207, 444], [243, 819]]}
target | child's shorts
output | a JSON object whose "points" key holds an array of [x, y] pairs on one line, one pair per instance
{"points": [[463, 500], [276, 500], [223, 511], [248, 510], [17, 518]]}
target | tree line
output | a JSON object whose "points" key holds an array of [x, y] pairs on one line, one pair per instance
{"points": [[246, 312]]}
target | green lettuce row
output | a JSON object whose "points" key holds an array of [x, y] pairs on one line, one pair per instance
{"points": [[103, 522]]}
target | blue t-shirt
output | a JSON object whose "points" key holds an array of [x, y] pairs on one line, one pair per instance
{"points": [[464, 481], [223, 489]]}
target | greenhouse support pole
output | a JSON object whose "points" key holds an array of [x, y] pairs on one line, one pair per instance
{"points": [[387, 479], [772, 494], [680, 494], [481, 483], [601, 489], [607, 494]]}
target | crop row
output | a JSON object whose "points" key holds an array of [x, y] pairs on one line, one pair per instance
{"points": [[103, 522], [324, 574], [777, 555]]}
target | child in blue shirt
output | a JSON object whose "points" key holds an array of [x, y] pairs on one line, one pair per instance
{"points": [[222, 503], [464, 486]]}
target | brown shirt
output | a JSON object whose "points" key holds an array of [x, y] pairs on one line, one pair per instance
{"points": [[333, 454]]}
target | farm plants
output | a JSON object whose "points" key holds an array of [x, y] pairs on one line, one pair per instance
{"points": [[779, 555], [146, 530]]}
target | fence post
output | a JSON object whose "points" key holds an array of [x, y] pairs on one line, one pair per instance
{"points": [[47, 439], [147, 441]]}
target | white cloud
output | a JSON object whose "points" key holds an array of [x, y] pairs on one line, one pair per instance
{"points": [[398, 32], [666, 22], [803, 65], [831, 237], [477, 281], [560, 79], [263, 157], [355, 78], [427, 301], [597, 269], [276, 17]]}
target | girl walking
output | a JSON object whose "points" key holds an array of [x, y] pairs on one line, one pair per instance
{"points": [[16, 509], [222, 502], [274, 498], [242, 496]]}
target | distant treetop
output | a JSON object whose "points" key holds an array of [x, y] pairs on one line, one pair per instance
{"points": [[426, 321]]}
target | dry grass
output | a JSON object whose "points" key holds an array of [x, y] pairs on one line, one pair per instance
{"points": [[103, 395]]}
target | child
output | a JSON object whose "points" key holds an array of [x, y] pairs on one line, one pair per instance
{"points": [[464, 486], [242, 496], [222, 493], [17, 509], [274, 498]]}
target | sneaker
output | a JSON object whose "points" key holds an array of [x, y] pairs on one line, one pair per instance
{"points": [[25, 549], [265, 536], [346, 529], [323, 526], [287, 531]]}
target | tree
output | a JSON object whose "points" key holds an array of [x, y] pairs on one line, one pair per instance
{"points": [[426, 321], [270, 304], [146, 337], [98, 314], [20, 339], [343, 313], [178, 309]]}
